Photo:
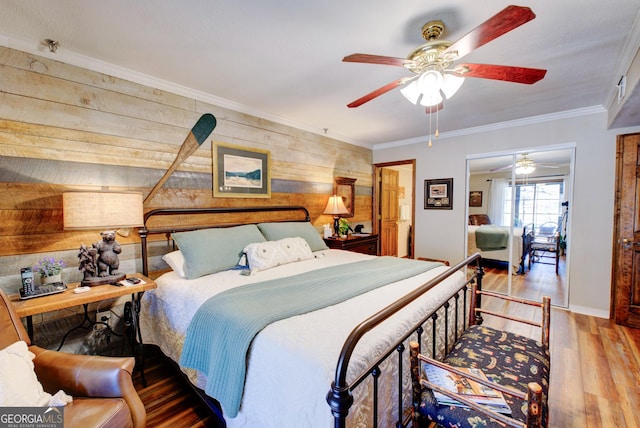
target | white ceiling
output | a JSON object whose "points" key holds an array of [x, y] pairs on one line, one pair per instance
{"points": [[281, 59]]}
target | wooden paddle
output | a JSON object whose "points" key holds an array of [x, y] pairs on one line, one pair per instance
{"points": [[200, 131]]}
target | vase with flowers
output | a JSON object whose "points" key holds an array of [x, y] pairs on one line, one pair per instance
{"points": [[50, 270]]}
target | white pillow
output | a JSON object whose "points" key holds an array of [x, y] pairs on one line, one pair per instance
{"points": [[265, 255], [175, 260], [19, 385]]}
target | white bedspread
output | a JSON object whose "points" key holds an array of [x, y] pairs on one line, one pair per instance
{"points": [[291, 363], [500, 255]]}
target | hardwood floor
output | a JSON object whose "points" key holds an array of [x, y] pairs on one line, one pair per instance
{"points": [[595, 373], [595, 363], [539, 280], [168, 399]]}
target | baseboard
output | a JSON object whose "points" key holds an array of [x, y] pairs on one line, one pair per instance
{"points": [[584, 310]]}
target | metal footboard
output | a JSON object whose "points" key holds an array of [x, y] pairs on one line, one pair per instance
{"points": [[452, 315]]}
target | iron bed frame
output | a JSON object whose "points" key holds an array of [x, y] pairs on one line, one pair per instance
{"points": [[454, 315]]}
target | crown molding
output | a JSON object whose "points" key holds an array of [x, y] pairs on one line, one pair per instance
{"points": [[585, 111]]}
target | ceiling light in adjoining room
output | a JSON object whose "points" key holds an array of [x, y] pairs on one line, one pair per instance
{"points": [[524, 170], [525, 166]]}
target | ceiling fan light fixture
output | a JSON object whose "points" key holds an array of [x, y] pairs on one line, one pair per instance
{"points": [[430, 82], [451, 85], [525, 165], [432, 99], [524, 169], [411, 92], [431, 88]]}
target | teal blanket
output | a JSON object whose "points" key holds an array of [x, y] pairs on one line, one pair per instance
{"points": [[222, 329], [491, 237]]}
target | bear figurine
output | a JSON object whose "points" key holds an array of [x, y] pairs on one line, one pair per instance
{"points": [[108, 250]]}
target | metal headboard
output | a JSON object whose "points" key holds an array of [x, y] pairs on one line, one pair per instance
{"points": [[145, 231]]}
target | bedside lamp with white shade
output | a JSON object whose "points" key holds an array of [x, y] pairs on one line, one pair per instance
{"points": [[105, 211], [335, 207]]}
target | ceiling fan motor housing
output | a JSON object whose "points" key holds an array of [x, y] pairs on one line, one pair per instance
{"points": [[432, 30], [431, 56]]}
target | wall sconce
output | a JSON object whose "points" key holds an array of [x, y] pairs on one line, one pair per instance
{"points": [[101, 210], [335, 207]]}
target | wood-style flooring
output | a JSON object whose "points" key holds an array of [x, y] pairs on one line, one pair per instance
{"points": [[595, 373], [168, 399]]}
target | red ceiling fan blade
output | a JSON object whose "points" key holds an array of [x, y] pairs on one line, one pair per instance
{"points": [[504, 21], [380, 91], [376, 59], [499, 72]]}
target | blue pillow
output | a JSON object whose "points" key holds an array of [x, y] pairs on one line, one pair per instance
{"points": [[213, 250], [280, 230]]}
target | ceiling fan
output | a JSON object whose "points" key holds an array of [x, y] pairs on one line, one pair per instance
{"points": [[524, 165], [436, 75]]}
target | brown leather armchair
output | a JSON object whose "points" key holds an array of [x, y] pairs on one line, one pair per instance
{"points": [[101, 387], [479, 219]]}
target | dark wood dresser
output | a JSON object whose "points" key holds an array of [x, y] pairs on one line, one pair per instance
{"points": [[367, 244]]}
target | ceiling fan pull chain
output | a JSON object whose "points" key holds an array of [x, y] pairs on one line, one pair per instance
{"points": [[430, 144], [437, 122]]}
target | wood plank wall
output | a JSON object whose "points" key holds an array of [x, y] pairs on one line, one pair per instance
{"points": [[63, 127]]}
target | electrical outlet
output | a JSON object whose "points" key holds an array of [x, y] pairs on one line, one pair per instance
{"points": [[102, 316]]}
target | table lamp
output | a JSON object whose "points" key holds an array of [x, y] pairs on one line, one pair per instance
{"points": [[335, 207], [107, 211]]}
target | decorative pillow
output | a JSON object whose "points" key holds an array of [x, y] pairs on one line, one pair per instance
{"points": [[19, 385], [175, 260], [213, 250], [265, 255], [276, 231]]}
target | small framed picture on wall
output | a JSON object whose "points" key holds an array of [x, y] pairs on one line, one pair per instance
{"points": [[438, 194], [475, 198]]}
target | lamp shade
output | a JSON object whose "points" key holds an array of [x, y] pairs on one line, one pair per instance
{"points": [[99, 210], [335, 206]]}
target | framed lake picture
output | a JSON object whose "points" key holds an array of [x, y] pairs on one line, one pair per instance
{"points": [[240, 173], [438, 194]]}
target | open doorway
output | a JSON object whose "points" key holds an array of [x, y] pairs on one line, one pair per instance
{"points": [[394, 207]]}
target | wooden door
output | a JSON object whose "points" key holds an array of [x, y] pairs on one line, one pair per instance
{"points": [[626, 288], [389, 187]]}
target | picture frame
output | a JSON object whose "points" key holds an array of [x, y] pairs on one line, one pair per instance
{"points": [[475, 198], [345, 188], [239, 172], [438, 194]]}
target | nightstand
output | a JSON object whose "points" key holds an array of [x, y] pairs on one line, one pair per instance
{"points": [[67, 299], [365, 244]]}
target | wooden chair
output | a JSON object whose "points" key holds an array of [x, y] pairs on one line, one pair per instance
{"points": [[545, 245], [516, 365]]}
